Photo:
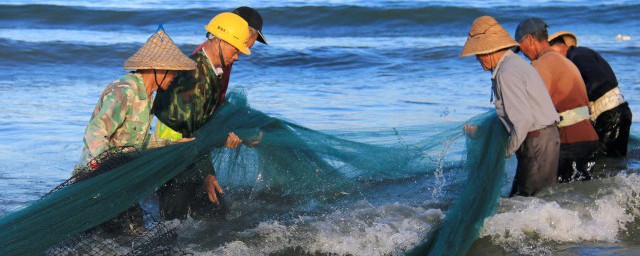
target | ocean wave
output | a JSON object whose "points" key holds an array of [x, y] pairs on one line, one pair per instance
{"points": [[279, 41], [308, 20], [168, 4], [574, 213], [23, 54], [293, 43], [88, 47], [105, 48], [82, 37], [365, 230]]}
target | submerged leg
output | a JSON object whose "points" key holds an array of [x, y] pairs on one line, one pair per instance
{"points": [[537, 162], [613, 127]]}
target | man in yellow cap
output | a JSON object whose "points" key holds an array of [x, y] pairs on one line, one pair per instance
{"points": [[254, 19], [522, 104], [122, 117], [189, 104], [610, 113]]}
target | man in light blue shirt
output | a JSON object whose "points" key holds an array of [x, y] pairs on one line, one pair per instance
{"points": [[523, 105]]}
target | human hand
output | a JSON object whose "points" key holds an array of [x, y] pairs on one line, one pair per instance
{"points": [[253, 142], [470, 130], [233, 141], [212, 186], [185, 140]]}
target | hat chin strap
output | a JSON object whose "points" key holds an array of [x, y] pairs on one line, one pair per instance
{"points": [[155, 77], [220, 53]]}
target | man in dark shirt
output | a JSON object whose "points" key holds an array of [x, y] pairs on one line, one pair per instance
{"points": [[610, 113]]}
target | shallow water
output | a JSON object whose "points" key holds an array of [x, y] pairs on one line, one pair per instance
{"points": [[330, 65]]}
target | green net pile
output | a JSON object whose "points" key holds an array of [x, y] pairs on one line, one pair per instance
{"points": [[291, 162]]}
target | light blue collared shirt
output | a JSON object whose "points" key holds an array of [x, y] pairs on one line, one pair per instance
{"points": [[522, 101]]}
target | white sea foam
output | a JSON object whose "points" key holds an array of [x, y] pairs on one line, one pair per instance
{"points": [[566, 216], [366, 230]]}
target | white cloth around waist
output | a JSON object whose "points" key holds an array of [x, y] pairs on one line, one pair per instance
{"points": [[608, 101], [574, 116]]}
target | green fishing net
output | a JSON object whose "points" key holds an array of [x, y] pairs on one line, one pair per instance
{"points": [[291, 162]]}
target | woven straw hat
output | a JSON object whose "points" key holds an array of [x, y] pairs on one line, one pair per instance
{"points": [[486, 36], [159, 52], [569, 38]]}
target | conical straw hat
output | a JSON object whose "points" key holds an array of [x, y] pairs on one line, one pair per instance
{"points": [[159, 52], [569, 38], [486, 36]]}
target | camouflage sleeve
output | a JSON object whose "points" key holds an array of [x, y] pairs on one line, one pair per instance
{"points": [[174, 106], [190, 99], [105, 121]]}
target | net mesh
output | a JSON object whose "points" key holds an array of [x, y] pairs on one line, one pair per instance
{"points": [[291, 162], [133, 232]]}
